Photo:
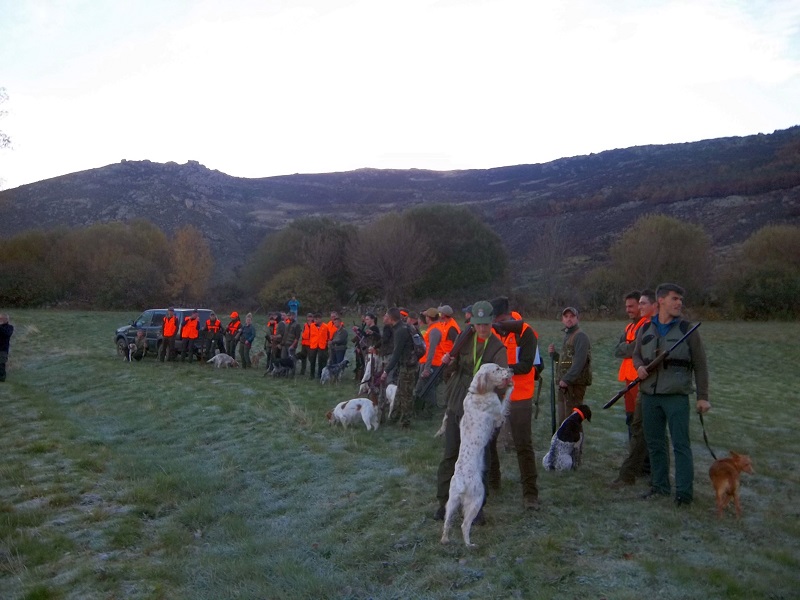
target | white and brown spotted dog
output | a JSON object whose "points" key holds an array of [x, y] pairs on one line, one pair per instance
{"points": [[353, 411], [484, 412], [223, 360], [566, 447]]}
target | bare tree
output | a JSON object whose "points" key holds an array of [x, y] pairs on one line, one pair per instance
{"points": [[192, 264], [658, 248], [388, 258], [548, 251]]}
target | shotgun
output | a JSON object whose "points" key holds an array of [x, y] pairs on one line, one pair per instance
{"points": [[650, 368], [460, 341]]}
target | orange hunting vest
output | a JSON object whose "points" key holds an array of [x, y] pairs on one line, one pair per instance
{"points": [[170, 326], [627, 372], [189, 330], [213, 326], [524, 383], [308, 335], [445, 345], [233, 327], [323, 336]]}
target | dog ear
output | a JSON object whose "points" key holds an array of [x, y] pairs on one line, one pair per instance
{"points": [[481, 383]]}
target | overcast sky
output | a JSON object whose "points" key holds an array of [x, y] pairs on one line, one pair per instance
{"points": [[255, 88]]}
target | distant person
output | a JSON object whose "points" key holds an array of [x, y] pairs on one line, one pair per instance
{"points": [[232, 333], [306, 342], [404, 362], [320, 359], [214, 336], [467, 310], [271, 341], [290, 332], [294, 306], [189, 334], [6, 331], [246, 339], [137, 349], [338, 343], [169, 329]]}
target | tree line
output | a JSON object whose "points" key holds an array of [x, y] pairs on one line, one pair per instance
{"points": [[427, 253]]}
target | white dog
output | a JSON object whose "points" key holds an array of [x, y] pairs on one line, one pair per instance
{"points": [[223, 360], [483, 413], [351, 411], [391, 392]]}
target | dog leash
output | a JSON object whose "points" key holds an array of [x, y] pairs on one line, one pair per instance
{"points": [[705, 437]]}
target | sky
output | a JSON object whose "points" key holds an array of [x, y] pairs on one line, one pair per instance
{"points": [[256, 88]]}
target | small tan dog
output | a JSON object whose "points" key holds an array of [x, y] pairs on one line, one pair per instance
{"points": [[724, 474], [256, 358]]}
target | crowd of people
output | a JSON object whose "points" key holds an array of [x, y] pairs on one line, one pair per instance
{"points": [[451, 353], [491, 333]]}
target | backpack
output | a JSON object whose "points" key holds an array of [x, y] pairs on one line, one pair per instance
{"points": [[420, 349]]}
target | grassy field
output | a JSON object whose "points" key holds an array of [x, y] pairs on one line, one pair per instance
{"points": [[179, 481]]}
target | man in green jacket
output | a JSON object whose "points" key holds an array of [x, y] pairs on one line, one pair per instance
{"points": [[665, 392], [573, 364]]}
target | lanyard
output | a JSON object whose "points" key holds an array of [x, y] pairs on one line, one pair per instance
{"points": [[475, 358]]}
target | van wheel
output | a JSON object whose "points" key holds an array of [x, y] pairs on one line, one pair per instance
{"points": [[122, 346]]}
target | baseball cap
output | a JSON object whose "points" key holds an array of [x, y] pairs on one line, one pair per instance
{"points": [[446, 310], [571, 309], [482, 313]]}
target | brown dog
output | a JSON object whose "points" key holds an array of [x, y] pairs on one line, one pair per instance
{"points": [[256, 358], [724, 474]]}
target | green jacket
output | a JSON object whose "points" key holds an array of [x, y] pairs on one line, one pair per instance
{"points": [[575, 359], [674, 375]]}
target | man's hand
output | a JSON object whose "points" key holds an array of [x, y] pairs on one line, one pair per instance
{"points": [[384, 376], [425, 373], [563, 384], [703, 406], [551, 349], [643, 373], [446, 359]]}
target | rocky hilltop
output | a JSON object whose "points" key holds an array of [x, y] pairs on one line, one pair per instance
{"points": [[732, 186]]}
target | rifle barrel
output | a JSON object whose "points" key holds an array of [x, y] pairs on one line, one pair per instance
{"points": [[650, 368]]}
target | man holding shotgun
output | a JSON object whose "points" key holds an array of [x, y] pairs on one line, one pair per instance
{"points": [[665, 391]]}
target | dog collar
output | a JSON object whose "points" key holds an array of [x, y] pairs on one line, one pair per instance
{"points": [[577, 410]]}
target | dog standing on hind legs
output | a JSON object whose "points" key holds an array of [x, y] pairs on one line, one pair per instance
{"points": [[483, 413], [724, 474]]}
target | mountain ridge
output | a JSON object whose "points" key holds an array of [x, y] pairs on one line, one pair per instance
{"points": [[732, 185]]}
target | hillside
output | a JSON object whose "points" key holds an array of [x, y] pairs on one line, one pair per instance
{"points": [[732, 186]]}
